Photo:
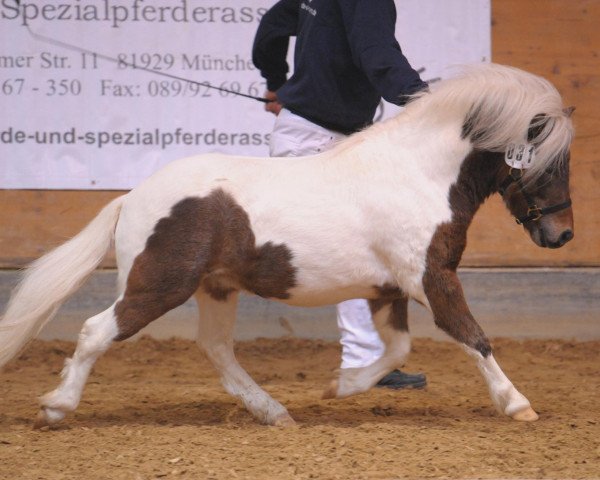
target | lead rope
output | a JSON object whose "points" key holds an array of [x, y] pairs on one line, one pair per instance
{"points": [[75, 48]]}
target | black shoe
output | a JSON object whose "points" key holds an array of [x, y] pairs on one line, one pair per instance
{"points": [[397, 380]]}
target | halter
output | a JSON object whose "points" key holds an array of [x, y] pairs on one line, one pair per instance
{"points": [[534, 213]]}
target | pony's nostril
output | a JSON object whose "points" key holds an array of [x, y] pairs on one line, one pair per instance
{"points": [[565, 237]]}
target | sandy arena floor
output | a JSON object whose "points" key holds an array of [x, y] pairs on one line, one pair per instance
{"points": [[155, 409]]}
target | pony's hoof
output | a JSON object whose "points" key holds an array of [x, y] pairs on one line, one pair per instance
{"points": [[46, 417], [284, 420], [40, 420], [525, 415], [331, 391]]}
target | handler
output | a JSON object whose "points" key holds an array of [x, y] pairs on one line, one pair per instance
{"points": [[346, 58]]}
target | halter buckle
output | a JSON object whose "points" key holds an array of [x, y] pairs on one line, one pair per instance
{"points": [[536, 212]]}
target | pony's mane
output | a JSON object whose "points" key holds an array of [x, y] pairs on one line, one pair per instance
{"points": [[499, 103]]}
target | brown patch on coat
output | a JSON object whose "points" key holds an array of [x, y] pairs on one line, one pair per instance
{"points": [[390, 294], [481, 175], [478, 178], [383, 296], [204, 243]]}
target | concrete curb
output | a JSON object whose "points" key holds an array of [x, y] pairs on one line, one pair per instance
{"points": [[518, 303]]}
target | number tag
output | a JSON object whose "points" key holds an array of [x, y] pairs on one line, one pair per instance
{"points": [[520, 155]]}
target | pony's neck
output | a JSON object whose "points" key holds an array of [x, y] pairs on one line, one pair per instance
{"points": [[480, 176]]}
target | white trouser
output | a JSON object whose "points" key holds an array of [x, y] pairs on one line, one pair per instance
{"points": [[294, 136]]}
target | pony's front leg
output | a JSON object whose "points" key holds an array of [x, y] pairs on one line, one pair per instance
{"points": [[391, 321], [451, 313], [215, 337]]}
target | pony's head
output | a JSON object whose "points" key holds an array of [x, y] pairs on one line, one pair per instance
{"points": [[539, 199], [543, 207], [518, 121]]}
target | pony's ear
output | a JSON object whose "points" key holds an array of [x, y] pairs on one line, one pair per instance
{"points": [[539, 128], [569, 110]]}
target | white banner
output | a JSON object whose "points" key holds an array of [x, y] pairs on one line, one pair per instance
{"points": [[73, 120]]}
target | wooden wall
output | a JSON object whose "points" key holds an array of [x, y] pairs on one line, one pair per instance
{"points": [[558, 39]]}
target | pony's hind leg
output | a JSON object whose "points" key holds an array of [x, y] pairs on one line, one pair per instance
{"points": [[143, 302], [391, 321], [153, 288], [95, 337], [215, 337]]}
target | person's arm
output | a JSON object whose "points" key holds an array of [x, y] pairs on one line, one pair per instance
{"points": [[370, 27], [269, 51]]}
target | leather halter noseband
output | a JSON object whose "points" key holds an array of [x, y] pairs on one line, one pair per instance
{"points": [[534, 212]]}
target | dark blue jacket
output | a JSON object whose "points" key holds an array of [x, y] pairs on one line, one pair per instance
{"points": [[346, 59]]}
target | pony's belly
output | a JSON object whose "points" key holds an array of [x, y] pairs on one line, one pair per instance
{"points": [[328, 277], [303, 297]]}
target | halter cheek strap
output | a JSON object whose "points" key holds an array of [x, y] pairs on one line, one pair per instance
{"points": [[534, 212]]}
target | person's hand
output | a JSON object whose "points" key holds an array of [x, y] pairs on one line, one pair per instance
{"points": [[273, 106]]}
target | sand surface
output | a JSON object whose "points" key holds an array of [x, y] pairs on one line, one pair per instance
{"points": [[156, 409]]}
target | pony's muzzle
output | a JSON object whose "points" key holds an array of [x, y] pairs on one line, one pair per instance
{"points": [[563, 238]]}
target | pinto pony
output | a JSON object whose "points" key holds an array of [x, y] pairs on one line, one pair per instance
{"points": [[382, 216]]}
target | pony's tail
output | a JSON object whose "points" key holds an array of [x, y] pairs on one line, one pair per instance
{"points": [[51, 279]]}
